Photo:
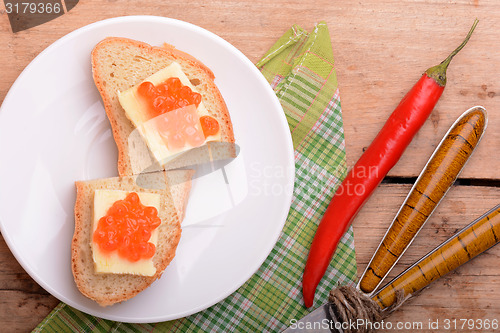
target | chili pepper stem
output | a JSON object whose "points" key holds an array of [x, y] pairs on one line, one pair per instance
{"points": [[438, 73]]}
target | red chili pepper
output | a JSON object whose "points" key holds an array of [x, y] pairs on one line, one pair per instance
{"points": [[371, 168]]}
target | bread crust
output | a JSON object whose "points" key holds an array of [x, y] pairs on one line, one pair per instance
{"points": [[108, 289], [156, 58]]}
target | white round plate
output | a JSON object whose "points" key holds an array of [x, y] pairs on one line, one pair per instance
{"points": [[53, 131]]}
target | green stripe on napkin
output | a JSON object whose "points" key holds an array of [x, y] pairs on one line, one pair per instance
{"points": [[300, 69]]}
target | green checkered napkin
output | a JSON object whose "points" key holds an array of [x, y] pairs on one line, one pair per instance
{"points": [[301, 71]]}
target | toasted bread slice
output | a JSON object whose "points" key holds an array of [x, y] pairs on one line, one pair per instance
{"points": [[120, 63], [180, 186], [107, 289]]}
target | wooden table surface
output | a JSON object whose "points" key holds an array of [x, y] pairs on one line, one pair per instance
{"points": [[381, 47]]}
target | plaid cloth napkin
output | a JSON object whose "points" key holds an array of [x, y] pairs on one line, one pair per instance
{"points": [[300, 69]]}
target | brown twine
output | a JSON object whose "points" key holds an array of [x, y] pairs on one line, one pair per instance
{"points": [[348, 305]]}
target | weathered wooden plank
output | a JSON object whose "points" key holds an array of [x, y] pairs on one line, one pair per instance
{"points": [[470, 292], [23, 303], [382, 48]]}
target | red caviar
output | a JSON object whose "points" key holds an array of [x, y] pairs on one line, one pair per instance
{"points": [[180, 127], [126, 228], [209, 125], [173, 95], [167, 96]]}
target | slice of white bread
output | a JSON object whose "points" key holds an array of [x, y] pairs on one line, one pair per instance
{"points": [[107, 289], [120, 63], [180, 186]]}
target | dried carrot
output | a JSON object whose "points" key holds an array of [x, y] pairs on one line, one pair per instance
{"points": [[471, 241], [439, 174]]}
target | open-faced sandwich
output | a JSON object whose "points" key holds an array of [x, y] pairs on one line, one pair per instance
{"points": [[126, 235], [165, 112], [163, 106]]}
